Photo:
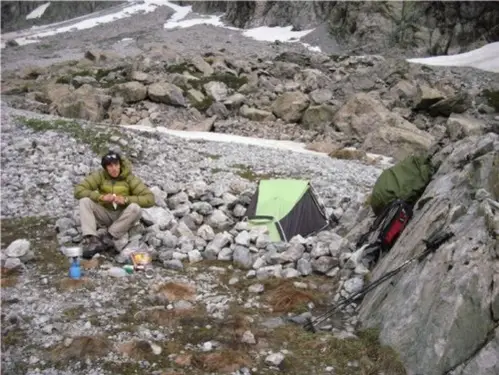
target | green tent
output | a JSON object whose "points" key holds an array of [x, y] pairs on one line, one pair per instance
{"points": [[287, 208]]}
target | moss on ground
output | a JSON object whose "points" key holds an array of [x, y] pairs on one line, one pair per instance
{"points": [[203, 105], [492, 97], [98, 139], [362, 355], [40, 231], [247, 173]]}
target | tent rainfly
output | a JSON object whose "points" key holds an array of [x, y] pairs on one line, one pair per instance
{"points": [[287, 208]]}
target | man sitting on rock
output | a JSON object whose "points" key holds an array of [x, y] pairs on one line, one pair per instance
{"points": [[113, 197]]}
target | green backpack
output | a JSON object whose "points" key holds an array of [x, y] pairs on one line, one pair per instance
{"points": [[405, 181]]}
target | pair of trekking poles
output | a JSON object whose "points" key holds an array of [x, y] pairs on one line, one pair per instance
{"points": [[431, 245]]}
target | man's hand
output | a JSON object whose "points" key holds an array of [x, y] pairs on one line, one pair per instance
{"points": [[119, 199], [108, 198]]}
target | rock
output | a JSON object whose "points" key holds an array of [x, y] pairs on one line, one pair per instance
{"points": [[404, 90], [318, 117], [18, 248], [353, 285], [304, 267], [274, 359], [242, 257], [219, 220], [195, 256], [456, 104], [290, 106], [139, 76], [196, 97], [159, 196], [201, 65], [79, 81], [460, 126], [312, 79], [86, 102], [243, 239], [206, 232], [256, 288], [321, 96], [383, 131], [178, 200], [235, 101], [168, 93], [254, 113], [204, 208], [216, 90], [131, 92], [397, 142], [174, 264], [426, 97], [323, 264], [12, 263], [452, 288], [157, 216], [248, 338]]}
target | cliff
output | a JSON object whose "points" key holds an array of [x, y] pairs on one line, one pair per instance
{"points": [[422, 27]]}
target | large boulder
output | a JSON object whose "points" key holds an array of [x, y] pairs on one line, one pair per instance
{"points": [[381, 131], [87, 103], [316, 117], [441, 313], [131, 92], [165, 92], [290, 106]]}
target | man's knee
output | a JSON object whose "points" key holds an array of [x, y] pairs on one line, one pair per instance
{"points": [[134, 209], [87, 202]]}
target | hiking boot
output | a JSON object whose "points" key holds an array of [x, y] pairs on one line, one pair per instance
{"points": [[118, 243], [91, 246]]}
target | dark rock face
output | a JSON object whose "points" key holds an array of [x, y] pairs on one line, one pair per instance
{"points": [[424, 27], [14, 12]]}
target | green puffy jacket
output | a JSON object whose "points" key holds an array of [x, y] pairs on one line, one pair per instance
{"points": [[406, 180], [100, 183]]}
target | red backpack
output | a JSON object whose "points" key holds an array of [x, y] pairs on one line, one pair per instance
{"points": [[385, 230]]}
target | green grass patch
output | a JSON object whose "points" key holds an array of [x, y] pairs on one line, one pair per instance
{"points": [[178, 68], [210, 156], [492, 97], [247, 173], [40, 231], [98, 140], [204, 104], [362, 355]]}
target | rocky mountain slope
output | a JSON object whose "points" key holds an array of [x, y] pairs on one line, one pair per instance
{"points": [[222, 298], [387, 27], [14, 12]]}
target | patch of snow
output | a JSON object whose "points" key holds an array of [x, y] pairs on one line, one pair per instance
{"points": [[260, 142], [230, 138], [484, 58], [211, 20], [312, 48], [38, 12], [271, 34]]}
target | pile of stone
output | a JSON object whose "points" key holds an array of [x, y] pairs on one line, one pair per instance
{"points": [[197, 223]]}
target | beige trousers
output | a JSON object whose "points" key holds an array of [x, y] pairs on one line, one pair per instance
{"points": [[118, 222]]}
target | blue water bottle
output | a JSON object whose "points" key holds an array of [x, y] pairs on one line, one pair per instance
{"points": [[74, 269]]}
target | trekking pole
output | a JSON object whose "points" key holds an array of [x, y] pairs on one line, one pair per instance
{"points": [[432, 244]]}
